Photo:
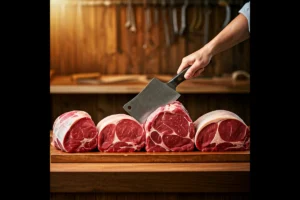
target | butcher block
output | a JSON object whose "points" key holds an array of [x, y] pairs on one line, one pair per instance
{"points": [[57, 156]]}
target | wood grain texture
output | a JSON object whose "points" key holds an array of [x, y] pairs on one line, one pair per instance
{"points": [[102, 105], [58, 156], [75, 77], [150, 196], [88, 40], [150, 167], [149, 177], [65, 85], [149, 181]]}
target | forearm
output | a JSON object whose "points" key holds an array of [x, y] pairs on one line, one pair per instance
{"points": [[235, 32]]}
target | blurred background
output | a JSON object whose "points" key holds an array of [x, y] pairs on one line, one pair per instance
{"points": [[104, 52]]}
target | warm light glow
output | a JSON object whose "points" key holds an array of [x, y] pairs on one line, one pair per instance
{"points": [[56, 1], [80, 2]]}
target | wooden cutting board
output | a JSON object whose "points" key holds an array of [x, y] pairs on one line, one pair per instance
{"points": [[58, 156], [148, 157]]}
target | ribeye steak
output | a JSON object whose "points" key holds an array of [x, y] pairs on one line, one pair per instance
{"points": [[221, 130], [74, 131], [169, 128], [120, 133]]}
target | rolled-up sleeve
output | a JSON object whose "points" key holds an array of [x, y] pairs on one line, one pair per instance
{"points": [[245, 10]]}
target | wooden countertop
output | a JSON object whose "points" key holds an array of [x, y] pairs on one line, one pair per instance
{"points": [[65, 85], [150, 177], [149, 167]]}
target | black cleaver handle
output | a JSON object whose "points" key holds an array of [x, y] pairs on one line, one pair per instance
{"points": [[177, 79]]}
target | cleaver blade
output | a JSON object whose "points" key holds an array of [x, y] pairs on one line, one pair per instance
{"points": [[153, 96]]}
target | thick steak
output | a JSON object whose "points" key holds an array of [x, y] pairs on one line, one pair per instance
{"points": [[170, 128], [221, 130], [120, 133], [74, 131]]}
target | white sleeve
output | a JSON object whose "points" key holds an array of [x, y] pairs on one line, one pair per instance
{"points": [[245, 10]]}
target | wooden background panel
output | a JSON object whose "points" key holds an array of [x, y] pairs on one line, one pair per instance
{"points": [[94, 38], [187, 182], [102, 105], [149, 196]]}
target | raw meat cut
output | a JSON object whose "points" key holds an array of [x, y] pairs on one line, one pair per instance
{"points": [[170, 128], [74, 131], [221, 130], [120, 133]]}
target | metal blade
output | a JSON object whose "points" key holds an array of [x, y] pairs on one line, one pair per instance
{"points": [[154, 95]]}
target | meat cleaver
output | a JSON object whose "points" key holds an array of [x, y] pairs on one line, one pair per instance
{"points": [[154, 95]]}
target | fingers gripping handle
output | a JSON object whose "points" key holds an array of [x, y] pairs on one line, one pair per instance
{"points": [[179, 78]]}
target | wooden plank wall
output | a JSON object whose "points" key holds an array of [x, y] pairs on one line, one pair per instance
{"points": [[94, 38], [97, 41], [102, 105]]}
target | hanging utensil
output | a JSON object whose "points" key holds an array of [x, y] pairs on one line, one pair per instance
{"points": [[194, 20], [183, 17], [128, 19], [200, 19], [207, 13], [118, 35], [132, 19], [228, 12], [166, 28], [147, 24], [174, 16], [170, 15], [156, 17]]}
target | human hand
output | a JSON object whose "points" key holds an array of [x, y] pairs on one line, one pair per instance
{"points": [[197, 60]]}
